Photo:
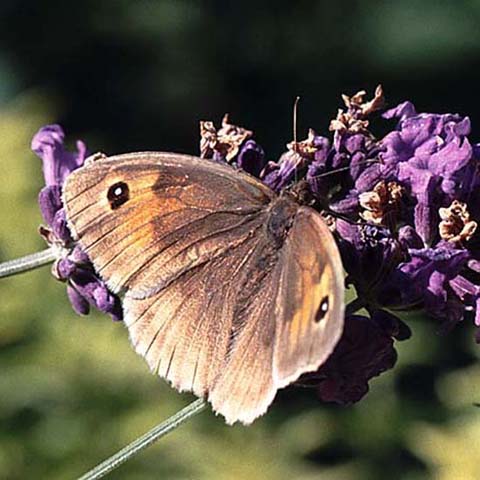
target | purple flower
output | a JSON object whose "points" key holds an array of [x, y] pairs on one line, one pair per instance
{"points": [[223, 145], [437, 280], [84, 287], [48, 144], [428, 153], [231, 144], [277, 175], [422, 196], [251, 158], [370, 254], [50, 202], [364, 351]]}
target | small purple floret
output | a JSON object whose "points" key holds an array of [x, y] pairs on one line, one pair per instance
{"points": [[251, 158], [364, 351], [48, 144], [84, 287]]}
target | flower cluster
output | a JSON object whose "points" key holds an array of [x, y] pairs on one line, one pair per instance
{"points": [[403, 209], [84, 287]]}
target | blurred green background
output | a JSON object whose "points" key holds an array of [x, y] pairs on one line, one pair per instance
{"points": [[136, 75]]}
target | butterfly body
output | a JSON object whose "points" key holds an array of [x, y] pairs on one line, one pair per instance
{"points": [[229, 290], [280, 218]]}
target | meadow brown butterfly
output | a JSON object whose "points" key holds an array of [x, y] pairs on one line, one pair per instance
{"points": [[229, 290]]}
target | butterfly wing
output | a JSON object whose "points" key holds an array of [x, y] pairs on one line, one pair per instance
{"points": [[216, 317], [185, 249], [210, 301], [310, 304], [180, 211], [301, 305]]}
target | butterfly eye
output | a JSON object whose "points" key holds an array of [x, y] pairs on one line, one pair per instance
{"points": [[118, 194], [323, 309]]}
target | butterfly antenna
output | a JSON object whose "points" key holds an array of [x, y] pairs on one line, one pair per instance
{"points": [[342, 169], [295, 110]]}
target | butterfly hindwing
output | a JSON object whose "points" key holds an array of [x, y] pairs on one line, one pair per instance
{"points": [[310, 304]]}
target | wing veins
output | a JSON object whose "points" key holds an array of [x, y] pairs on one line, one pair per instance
{"points": [[140, 193], [129, 232], [210, 235], [139, 172], [232, 277]]}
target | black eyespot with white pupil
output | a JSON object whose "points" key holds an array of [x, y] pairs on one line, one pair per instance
{"points": [[322, 310], [118, 194]]}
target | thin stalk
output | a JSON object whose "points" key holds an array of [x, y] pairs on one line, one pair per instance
{"points": [[26, 263], [354, 306], [146, 440]]}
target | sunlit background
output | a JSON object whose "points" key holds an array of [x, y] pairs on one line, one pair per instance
{"points": [[137, 75]]}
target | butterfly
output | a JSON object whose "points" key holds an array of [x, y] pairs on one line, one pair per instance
{"points": [[229, 290]]}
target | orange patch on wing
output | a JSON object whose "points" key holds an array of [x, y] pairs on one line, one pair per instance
{"points": [[312, 294]]}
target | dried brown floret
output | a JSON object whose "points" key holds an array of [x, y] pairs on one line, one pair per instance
{"points": [[381, 203], [456, 225], [226, 141]]}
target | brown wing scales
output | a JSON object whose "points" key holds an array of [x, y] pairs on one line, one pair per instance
{"points": [[221, 298], [187, 337], [312, 272], [171, 197]]}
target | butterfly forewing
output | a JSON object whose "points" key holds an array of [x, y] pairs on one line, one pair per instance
{"points": [[180, 211], [224, 282]]}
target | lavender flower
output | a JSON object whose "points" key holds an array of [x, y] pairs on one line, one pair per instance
{"points": [[223, 144], [251, 157], [84, 287], [430, 155], [364, 351], [409, 198], [406, 223], [403, 209], [57, 162]]}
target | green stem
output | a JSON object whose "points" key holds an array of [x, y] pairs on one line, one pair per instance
{"points": [[146, 440], [354, 306], [28, 262]]}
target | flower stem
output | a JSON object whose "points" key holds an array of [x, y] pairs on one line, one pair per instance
{"points": [[354, 306], [145, 440], [28, 262]]}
